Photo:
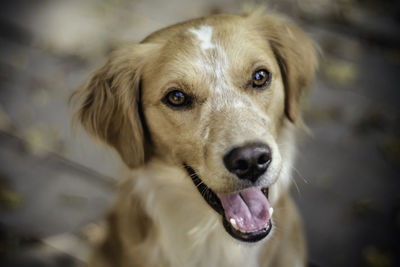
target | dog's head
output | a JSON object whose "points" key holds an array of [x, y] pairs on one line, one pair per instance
{"points": [[213, 96]]}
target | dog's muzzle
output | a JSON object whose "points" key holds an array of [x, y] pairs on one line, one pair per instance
{"points": [[246, 214]]}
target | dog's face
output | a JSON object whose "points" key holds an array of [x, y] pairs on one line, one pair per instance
{"points": [[211, 96], [215, 92]]}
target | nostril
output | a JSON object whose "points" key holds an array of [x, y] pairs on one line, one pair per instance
{"points": [[263, 159], [241, 165]]}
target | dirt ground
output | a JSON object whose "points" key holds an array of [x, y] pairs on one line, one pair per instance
{"points": [[54, 183]]}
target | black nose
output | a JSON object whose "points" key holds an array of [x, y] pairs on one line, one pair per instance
{"points": [[248, 162]]}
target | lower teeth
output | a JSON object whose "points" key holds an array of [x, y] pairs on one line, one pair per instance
{"points": [[234, 225]]}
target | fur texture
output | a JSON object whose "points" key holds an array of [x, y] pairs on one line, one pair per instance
{"points": [[160, 219]]}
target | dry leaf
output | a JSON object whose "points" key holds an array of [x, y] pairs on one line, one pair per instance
{"points": [[376, 258], [42, 139], [390, 146], [5, 122], [9, 198], [339, 71]]}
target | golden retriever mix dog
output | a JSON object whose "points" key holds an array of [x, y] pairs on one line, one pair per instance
{"points": [[204, 113]]}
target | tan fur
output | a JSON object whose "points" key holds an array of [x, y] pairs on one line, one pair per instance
{"points": [[160, 219]]}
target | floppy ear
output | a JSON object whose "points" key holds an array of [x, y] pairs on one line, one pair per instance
{"points": [[109, 104], [296, 57]]}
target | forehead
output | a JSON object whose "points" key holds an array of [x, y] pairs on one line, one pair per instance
{"points": [[204, 36], [207, 50]]}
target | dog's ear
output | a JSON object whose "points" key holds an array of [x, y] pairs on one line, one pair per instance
{"points": [[109, 103], [296, 57]]}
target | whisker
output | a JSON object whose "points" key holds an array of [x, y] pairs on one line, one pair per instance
{"points": [[296, 185], [204, 191], [300, 175], [199, 184]]}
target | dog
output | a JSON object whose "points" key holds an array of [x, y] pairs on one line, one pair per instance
{"points": [[205, 115]]}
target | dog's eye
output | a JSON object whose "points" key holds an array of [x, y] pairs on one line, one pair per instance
{"points": [[177, 99], [261, 78]]}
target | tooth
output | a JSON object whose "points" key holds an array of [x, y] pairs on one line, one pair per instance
{"points": [[233, 223], [271, 210]]}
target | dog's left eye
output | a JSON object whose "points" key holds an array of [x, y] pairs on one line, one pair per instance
{"points": [[177, 99], [261, 78]]}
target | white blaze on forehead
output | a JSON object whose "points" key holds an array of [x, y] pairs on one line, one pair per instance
{"points": [[204, 35], [212, 61]]}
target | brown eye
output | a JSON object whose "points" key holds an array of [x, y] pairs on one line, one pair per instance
{"points": [[177, 99], [261, 78]]}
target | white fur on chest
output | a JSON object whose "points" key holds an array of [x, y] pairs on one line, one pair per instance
{"points": [[191, 233]]}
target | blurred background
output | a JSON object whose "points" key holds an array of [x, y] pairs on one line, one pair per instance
{"points": [[54, 185]]}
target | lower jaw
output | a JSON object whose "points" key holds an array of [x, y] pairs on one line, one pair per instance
{"points": [[214, 202]]}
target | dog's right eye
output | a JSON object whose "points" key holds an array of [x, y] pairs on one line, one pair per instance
{"points": [[177, 99]]}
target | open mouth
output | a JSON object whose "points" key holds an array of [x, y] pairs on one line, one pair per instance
{"points": [[246, 214]]}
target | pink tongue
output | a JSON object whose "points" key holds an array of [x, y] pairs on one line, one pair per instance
{"points": [[249, 208]]}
